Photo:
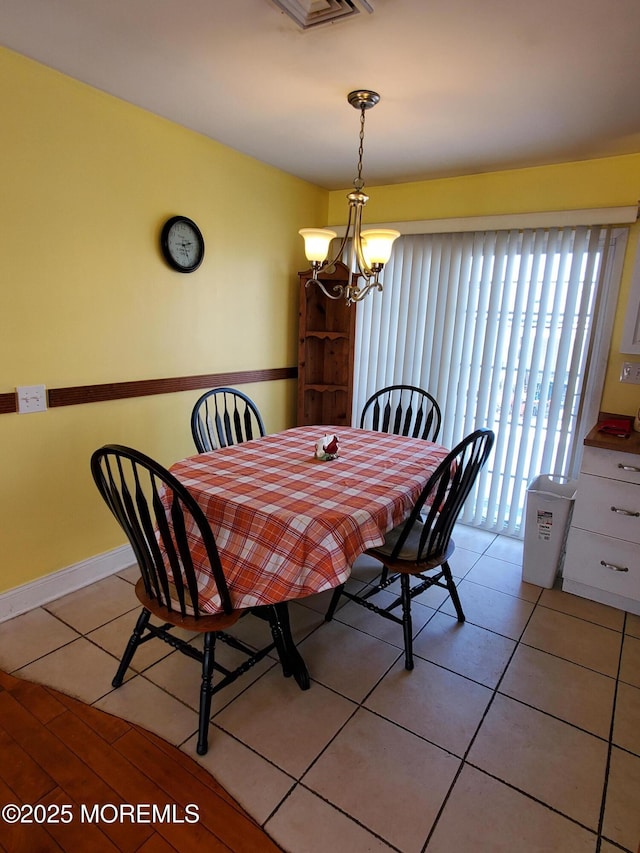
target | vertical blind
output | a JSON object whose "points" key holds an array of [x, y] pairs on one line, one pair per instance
{"points": [[498, 326]]}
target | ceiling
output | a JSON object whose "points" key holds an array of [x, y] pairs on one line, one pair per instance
{"points": [[466, 85]]}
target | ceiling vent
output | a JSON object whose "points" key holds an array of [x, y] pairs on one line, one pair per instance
{"points": [[313, 13]]}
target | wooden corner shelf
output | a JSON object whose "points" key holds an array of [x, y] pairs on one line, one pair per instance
{"points": [[325, 352]]}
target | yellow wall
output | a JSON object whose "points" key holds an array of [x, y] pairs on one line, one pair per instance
{"points": [[609, 182], [87, 182]]}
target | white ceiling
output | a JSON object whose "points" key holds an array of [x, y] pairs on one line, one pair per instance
{"points": [[466, 85]]}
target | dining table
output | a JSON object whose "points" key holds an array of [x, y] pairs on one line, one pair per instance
{"points": [[288, 525]]}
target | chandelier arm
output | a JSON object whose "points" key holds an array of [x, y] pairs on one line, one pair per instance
{"points": [[338, 288], [365, 269], [338, 255], [357, 294]]}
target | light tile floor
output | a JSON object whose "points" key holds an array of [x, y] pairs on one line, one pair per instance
{"points": [[518, 730]]}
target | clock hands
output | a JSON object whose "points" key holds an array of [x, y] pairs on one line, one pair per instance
{"points": [[185, 248]]}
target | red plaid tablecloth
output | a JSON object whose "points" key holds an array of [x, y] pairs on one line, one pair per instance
{"points": [[287, 525]]}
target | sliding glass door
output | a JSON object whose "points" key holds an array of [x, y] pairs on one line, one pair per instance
{"points": [[501, 327]]}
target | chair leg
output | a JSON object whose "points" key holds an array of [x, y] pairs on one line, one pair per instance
{"points": [[295, 662], [132, 645], [278, 639], [407, 626], [205, 692], [453, 592], [335, 598]]}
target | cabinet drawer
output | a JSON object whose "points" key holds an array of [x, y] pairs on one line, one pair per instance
{"points": [[612, 464], [589, 559], [596, 501]]}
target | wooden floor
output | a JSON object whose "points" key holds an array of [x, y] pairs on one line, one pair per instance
{"points": [[55, 751]]}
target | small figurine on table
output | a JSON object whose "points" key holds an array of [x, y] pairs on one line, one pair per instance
{"points": [[327, 448]]}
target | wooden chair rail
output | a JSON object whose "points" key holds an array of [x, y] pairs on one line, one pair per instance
{"points": [[79, 394]]}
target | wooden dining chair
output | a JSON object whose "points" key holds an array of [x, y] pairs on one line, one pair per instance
{"points": [[170, 534], [403, 410], [420, 548], [224, 416]]}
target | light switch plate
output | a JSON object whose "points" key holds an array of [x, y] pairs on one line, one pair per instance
{"points": [[630, 372], [31, 398]]}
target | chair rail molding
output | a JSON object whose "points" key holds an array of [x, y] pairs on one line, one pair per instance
{"points": [[80, 394]]}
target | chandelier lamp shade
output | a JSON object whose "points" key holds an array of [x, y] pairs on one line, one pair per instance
{"points": [[371, 248]]}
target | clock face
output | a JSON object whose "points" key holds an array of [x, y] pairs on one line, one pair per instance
{"points": [[182, 244]]}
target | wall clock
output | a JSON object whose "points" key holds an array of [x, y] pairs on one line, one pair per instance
{"points": [[182, 244]]}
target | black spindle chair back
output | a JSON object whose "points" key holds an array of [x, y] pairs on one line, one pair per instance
{"points": [[222, 417], [436, 511], [403, 410], [155, 510]]}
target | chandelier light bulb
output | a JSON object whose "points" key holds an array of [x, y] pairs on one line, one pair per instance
{"points": [[377, 244], [316, 243]]}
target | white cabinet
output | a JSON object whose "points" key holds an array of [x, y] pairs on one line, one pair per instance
{"points": [[603, 546]]}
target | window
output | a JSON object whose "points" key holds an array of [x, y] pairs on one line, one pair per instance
{"points": [[502, 328]]}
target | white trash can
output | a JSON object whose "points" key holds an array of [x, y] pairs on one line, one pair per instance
{"points": [[549, 505]]}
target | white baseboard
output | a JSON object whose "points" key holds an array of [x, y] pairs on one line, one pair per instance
{"points": [[15, 601]]}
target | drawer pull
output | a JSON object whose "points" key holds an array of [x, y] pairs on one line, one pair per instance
{"points": [[613, 567], [625, 512], [628, 468]]}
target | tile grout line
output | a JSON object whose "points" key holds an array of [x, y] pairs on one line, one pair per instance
{"points": [[605, 786], [463, 760]]}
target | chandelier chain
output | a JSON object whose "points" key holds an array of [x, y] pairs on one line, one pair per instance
{"points": [[359, 183]]}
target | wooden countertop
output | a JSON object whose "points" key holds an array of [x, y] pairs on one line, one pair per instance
{"points": [[613, 442]]}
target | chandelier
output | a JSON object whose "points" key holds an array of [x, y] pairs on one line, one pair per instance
{"points": [[371, 249]]}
